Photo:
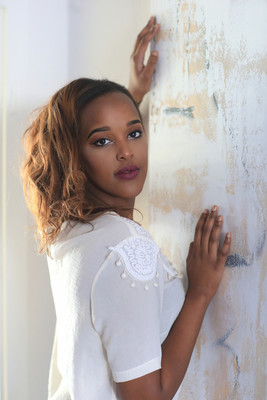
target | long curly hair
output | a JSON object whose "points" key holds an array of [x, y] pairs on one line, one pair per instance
{"points": [[55, 187]]}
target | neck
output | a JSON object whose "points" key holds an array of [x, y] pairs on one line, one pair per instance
{"points": [[127, 208], [123, 207], [126, 213]]}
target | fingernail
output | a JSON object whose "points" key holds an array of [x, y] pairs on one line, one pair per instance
{"points": [[154, 53], [205, 211], [228, 236], [214, 209], [219, 218]]}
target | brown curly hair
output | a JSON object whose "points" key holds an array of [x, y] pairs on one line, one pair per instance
{"points": [[55, 187]]}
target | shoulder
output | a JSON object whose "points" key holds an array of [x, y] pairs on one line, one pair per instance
{"points": [[136, 250], [137, 254], [107, 230], [115, 222]]}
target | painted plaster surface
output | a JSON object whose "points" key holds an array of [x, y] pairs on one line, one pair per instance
{"points": [[208, 145]]}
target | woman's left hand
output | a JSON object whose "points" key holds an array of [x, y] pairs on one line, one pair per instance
{"points": [[140, 74]]}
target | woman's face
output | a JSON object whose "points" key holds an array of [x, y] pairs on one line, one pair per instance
{"points": [[114, 149]]}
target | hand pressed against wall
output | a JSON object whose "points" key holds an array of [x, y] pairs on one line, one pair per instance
{"points": [[205, 261], [141, 74]]}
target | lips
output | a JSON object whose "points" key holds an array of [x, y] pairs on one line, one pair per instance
{"points": [[128, 172]]}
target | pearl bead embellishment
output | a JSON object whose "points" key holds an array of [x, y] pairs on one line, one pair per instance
{"points": [[123, 275]]}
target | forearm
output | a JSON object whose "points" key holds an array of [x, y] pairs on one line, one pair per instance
{"points": [[176, 353], [179, 344]]}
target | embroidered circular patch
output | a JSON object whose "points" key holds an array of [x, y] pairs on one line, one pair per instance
{"points": [[139, 255]]}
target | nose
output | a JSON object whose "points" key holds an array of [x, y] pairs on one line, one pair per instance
{"points": [[124, 151]]}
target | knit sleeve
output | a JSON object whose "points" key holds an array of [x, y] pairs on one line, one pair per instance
{"points": [[126, 306]]}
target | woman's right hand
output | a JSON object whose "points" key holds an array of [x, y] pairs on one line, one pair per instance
{"points": [[205, 261]]}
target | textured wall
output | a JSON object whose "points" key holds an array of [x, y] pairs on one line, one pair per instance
{"points": [[208, 145]]}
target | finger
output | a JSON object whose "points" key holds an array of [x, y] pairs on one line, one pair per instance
{"points": [[215, 235], [225, 250], [208, 228], [199, 227], [190, 251], [151, 64], [139, 54], [143, 32]]}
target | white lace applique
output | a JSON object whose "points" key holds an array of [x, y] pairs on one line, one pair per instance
{"points": [[139, 256], [172, 273]]}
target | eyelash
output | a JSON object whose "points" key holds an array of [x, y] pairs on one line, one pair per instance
{"points": [[97, 142]]}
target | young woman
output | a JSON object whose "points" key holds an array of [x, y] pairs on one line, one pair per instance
{"points": [[125, 329]]}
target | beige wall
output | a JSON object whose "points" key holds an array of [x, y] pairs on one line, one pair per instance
{"points": [[47, 44], [208, 145]]}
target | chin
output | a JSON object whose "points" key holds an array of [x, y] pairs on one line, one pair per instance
{"points": [[129, 194]]}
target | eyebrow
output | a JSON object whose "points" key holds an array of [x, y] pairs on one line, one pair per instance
{"points": [[107, 128]]}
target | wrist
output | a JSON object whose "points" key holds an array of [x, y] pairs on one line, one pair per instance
{"points": [[198, 297], [136, 94]]}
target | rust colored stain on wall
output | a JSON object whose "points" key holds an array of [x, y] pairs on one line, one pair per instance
{"points": [[208, 145]]}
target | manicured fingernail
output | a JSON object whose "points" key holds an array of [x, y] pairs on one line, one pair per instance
{"points": [[228, 236], [205, 211], [214, 209], [219, 218], [154, 53]]}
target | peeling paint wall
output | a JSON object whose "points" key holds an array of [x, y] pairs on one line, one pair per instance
{"points": [[208, 145]]}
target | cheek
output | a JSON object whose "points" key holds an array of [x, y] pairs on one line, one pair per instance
{"points": [[97, 163], [144, 152]]}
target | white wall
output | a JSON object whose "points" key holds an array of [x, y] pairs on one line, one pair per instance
{"points": [[48, 43], [37, 55], [209, 121]]}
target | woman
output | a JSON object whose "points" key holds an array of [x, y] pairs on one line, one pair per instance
{"points": [[125, 330]]}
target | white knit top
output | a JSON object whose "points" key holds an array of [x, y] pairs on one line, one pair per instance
{"points": [[116, 297]]}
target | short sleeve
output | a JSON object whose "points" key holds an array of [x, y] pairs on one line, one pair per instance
{"points": [[126, 308]]}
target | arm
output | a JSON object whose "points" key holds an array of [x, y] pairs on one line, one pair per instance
{"points": [[205, 266], [140, 74]]}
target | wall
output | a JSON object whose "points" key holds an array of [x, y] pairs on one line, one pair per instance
{"points": [[36, 63], [208, 146], [47, 44]]}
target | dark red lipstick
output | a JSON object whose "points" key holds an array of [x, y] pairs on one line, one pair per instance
{"points": [[128, 172]]}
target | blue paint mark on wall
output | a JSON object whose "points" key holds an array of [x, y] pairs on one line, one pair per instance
{"points": [[187, 112]]}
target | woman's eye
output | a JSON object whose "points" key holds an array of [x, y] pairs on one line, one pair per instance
{"points": [[101, 142], [135, 134]]}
